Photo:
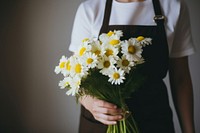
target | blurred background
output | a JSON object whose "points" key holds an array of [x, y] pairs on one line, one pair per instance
{"points": [[34, 34]]}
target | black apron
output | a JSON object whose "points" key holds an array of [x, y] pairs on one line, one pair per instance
{"points": [[150, 105]]}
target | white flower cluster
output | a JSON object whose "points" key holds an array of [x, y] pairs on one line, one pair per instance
{"points": [[110, 55]]}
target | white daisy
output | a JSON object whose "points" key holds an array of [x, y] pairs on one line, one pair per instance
{"points": [[75, 85], [77, 68], [105, 64], [132, 49], [125, 64], [116, 76], [85, 46], [111, 51], [118, 33], [111, 38], [85, 40], [61, 65], [65, 82], [110, 33], [144, 41], [68, 66], [97, 49], [141, 61], [89, 60], [114, 42]]}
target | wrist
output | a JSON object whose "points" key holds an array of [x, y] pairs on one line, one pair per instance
{"points": [[82, 100]]}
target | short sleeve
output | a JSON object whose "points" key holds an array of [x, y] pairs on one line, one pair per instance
{"points": [[81, 27], [182, 43]]}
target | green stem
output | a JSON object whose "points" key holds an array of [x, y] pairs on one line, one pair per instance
{"points": [[121, 127], [117, 128], [124, 125]]}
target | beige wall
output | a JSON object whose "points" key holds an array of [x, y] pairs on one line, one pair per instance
{"points": [[33, 36]]}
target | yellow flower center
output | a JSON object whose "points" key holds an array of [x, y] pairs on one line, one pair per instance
{"points": [[85, 40], [82, 50], [116, 76], [125, 62], [114, 42], [100, 42], [106, 64], [89, 60], [140, 38], [68, 66], [62, 64], [78, 68], [109, 52], [110, 33], [97, 52], [66, 84], [131, 49]]}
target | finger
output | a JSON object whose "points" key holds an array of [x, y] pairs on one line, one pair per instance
{"points": [[106, 117], [107, 110], [107, 122], [104, 104]]}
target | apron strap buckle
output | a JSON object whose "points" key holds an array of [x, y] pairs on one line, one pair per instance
{"points": [[159, 18]]}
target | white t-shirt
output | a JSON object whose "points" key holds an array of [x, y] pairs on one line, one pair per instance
{"points": [[89, 19]]}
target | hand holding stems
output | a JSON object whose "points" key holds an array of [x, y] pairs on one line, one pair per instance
{"points": [[104, 112]]}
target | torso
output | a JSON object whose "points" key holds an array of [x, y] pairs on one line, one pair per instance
{"points": [[150, 103]]}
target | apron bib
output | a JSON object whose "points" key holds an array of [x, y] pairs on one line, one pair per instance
{"points": [[149, 104]]}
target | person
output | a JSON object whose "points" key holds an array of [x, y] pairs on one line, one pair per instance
{"points": [[167, 23]]}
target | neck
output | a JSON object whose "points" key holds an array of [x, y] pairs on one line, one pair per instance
{"points": [[126, 1]]}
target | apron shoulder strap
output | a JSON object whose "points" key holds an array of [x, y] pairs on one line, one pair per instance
{"points": [[159, 18], [107, 13]]}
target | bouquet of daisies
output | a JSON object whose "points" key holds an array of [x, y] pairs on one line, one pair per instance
{"points": [[106, 68]]}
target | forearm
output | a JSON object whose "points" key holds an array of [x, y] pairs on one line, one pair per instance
{"points": [[182, 93], [183, 101]]}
